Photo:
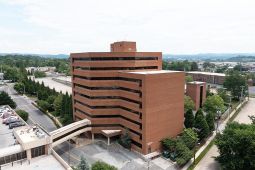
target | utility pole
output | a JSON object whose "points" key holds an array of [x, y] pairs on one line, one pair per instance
{"points": [[242, 94], [229, 105]]}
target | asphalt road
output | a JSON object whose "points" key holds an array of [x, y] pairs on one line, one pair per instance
{"points": [[24, 103]]}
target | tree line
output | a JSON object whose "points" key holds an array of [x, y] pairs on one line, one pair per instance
{"points": [[12, 63], [58, 104]]}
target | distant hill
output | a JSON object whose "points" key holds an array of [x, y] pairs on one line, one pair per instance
{"points": [[242, 59], [207, 56]]}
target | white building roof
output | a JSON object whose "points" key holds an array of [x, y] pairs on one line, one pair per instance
{"points": [[206, 73], [10, 150]]}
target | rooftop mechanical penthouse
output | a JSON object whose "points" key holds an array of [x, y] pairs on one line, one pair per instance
{"points": [[124, 89]]}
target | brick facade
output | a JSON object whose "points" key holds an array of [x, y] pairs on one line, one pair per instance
{"points": [[128, 90]]}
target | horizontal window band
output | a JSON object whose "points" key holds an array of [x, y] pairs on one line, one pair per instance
{"points": [[108, 78], [115, 68], [108, 88], [113, 58], [109, 97], [107, 107], [136, 143], [108, 116]]}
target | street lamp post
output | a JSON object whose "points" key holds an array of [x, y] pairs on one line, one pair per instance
{"points": [[218, 118], [241, 99], [229, 105]]}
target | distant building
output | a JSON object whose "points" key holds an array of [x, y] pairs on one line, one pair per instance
{"points": [[208, 77], [124, 89], [42, 69], [197, 92]]}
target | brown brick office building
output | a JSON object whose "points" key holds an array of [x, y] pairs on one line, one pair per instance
{"points": [[125, 89], [208, 77]]}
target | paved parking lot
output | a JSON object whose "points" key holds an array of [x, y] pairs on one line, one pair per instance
{"points": [[6, 137], [53, 84]]}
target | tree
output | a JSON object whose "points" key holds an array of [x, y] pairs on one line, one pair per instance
{"points": [[210, 121], [188, 79], [208, 65], [23, 114], [199, 112], [213, 104], [201, 125], [165, 65], [183, 154], [194, 66], [19, 87], [169, 144], [238, 67], [5, 99], [189, 138], [125, 140], [39, 74], [102, 166], [236, 147], [188, 103], [236, 83], [58, 104], [189, 119], [223, 94], [44, 105], [83, 165]]}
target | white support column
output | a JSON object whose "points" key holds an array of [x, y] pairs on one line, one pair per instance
{"points": [[29, 156], [108, 139], [93, 137]]}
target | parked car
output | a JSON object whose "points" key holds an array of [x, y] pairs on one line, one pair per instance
{"points": [[10, 118], [11, 121], [16, 124], [6, 115]]}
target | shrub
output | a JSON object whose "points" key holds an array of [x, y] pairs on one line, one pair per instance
{"points": [[23, 114], [189, 138], [43, 105], [183, 153], [102, 166], [125, 140], [5, 99]]}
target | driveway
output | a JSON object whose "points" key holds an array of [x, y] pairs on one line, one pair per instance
{"points": [[24, 103], [208, 162]]}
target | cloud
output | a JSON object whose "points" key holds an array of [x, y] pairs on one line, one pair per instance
{"points": [[171, 26]]}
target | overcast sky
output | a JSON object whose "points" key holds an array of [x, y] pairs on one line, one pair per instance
{"points": [[170, 26]]}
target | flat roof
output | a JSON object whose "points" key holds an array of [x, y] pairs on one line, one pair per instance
{"points": [[10, 150], [30, 133], [207, 73], [196, 82], [154, 72], [39, 163]]}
